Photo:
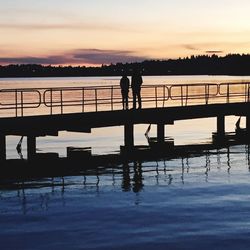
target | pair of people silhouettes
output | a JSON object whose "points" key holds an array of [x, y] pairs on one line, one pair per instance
{"points": [[136, 82]]}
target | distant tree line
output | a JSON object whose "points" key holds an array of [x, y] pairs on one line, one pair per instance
{"points": [[232, 64]]}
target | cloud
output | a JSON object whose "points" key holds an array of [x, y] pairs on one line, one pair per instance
{"points": [[190, 47], [33, 60], [36, 26], [214, 51], [97, 56], [197, 47], [79, 57], [68, 26], [51, 26]]}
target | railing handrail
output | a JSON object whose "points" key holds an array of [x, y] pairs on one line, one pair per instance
{"points": [[188, 86], [93, 95]]}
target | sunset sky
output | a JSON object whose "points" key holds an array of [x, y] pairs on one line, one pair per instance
{"points": [[94, 32]]}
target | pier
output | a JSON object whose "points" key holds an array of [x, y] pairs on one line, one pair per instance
{"points": [[42, 112]]}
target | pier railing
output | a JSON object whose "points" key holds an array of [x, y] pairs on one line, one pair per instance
{"points": [[39, 101]]}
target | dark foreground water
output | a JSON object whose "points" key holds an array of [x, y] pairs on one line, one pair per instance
{"points": [[188, 203]]}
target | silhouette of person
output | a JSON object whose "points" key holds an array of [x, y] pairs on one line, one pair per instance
{"points": [[136, 82], [124, 84]]}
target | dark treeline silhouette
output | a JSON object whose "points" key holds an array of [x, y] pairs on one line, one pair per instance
{"points": [[232, 64]]}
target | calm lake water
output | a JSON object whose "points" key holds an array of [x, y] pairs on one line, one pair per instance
{"points": [[202, 201]]}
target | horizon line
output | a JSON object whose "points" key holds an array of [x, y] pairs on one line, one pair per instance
{"points": [[212, 54]]}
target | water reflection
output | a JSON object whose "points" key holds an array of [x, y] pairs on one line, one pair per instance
{"points": [[209, 166], [218, 158], [247, 148], [182, 171], [26, 200], [138, 177], [228, 161], [126, 181], [22, 199]]}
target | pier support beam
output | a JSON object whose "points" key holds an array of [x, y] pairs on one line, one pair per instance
{"points": [[160, 133], [248, 124], [31, 147], [129, 135], [2, 147], [221, 125]]}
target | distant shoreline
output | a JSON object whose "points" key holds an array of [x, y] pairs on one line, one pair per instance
{"points": [[78, 76], [6, 77], [231, 65]]}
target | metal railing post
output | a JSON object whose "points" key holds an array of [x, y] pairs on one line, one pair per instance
{"points": [[61, 95], [22, 103], [112, 93], [51, 108], [82, 99], [181, 95], [156, 97], [245, 91], [206, 94], [164, 93], [16, 103], [228, 93], [248, 94], [186, 95], [96, 100]]}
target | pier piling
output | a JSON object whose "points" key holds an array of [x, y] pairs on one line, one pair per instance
{"points": [[160, 133], [129, 135], [2, 147], [221, 125], [248, 124], [31, 147]]}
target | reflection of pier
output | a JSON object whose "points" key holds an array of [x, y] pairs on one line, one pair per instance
{"points": [[82, 109], [129, 177], [109, 164]]}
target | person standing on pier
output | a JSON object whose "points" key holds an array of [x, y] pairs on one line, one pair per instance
{"points": [[136, 82], [124, 84]]}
